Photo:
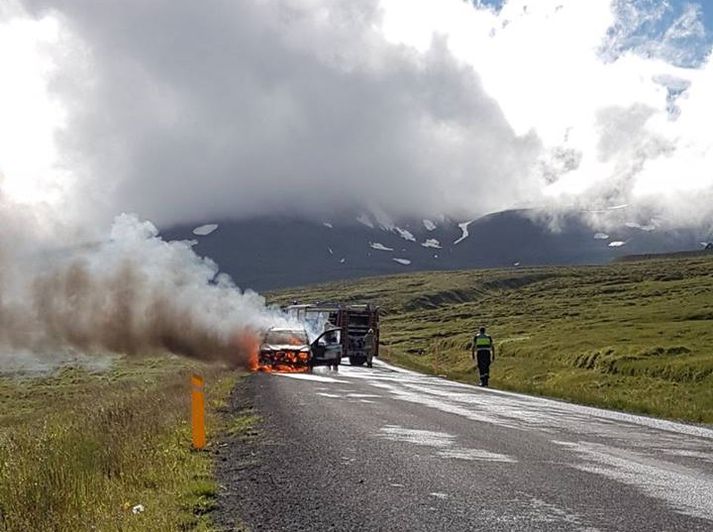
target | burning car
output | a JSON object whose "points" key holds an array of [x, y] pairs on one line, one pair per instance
{"points": [[289, 349]]}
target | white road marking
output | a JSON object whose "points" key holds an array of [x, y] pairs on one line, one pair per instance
{"points": [[427, 438], [534, 407], [444, 442], [475, 454], [687, 490], [309, 377]]}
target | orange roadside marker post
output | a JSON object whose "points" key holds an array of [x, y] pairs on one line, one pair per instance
{"points": [[198, 411]]}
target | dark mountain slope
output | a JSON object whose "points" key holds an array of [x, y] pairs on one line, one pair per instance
{"points": [[272, 252]]}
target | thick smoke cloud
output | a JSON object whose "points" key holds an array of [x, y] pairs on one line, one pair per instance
{"points": [[182, 110], [131, 294]]}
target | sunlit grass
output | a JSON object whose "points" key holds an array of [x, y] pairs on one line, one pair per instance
{"points": [[80, 450]]}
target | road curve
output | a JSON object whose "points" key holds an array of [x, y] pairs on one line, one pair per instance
{"points": [[389, 449]]}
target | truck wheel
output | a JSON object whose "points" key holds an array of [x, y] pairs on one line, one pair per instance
{"points": [[357, 361]]}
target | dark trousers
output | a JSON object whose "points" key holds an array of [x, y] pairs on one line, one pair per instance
{"points": [[483, 358]]}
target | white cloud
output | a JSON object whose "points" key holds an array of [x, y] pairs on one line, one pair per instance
{"points": [[29, 115], [396, 107], [617, 113], [191, 111]]}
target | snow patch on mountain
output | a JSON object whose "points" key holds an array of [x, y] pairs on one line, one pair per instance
{"points": [[432, 243], [601, 236], [379, 246], [384, 222], [634, 225], [405, 234], [607, 209], [405, 262], [463, 227], [616, 244], [205, 230], [365, 220], [328, 225], [429, 225]]}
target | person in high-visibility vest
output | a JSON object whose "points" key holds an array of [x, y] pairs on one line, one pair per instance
{"points": [[369, 346], [483, 354]]}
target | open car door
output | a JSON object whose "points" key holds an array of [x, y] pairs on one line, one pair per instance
{"points": [[327, 349]]}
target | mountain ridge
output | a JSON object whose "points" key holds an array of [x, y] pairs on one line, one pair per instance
{"points": [[274, 252]]}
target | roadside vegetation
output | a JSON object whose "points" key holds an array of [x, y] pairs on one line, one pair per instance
{"points": [[635, 336], [107, 450]]}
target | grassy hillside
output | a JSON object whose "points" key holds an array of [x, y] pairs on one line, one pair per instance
{"points": [[636, 336], [79, 449]]}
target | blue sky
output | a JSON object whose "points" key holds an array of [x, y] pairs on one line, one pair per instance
{"points": [[693, 50], [676, 5]]}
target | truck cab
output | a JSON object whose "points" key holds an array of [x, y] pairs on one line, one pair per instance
{"points": [[353, 320]]}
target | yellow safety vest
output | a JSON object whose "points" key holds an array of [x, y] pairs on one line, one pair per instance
{"points": [[483, 342]]}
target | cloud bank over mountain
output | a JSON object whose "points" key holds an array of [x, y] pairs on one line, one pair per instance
{"points": [[185, 111]]}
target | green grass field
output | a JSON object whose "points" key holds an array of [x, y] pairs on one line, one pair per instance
{"points": [[79, 449], [635, 336]]}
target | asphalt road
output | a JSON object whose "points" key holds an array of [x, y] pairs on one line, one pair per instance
{"points": [[387, 449]]}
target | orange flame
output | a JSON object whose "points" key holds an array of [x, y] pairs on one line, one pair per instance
{"points": [[246, 344], [284, 362]]}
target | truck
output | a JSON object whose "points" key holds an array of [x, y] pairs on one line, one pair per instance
{"points": [[353, 319]]}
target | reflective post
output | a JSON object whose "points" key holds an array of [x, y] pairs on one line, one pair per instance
{"points": [[198, 411]]}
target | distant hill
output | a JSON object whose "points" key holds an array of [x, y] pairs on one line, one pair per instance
{"points": [[276, 252], [661, 256]]}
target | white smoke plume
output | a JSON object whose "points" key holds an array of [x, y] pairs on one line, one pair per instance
{"points": [[130, 294]]}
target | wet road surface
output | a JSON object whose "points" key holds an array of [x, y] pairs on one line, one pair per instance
{"points": [[388, 449]]}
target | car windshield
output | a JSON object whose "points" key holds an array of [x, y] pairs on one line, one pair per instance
{"points": [[286, 337]]}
